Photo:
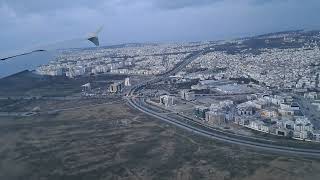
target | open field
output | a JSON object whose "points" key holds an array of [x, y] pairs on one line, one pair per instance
{"points": [[116, 142], [29, 84], [112, 141], [44, 105]]}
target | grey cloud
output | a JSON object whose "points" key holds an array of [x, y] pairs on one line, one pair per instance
{"points": [[149, 20], [39, 6], [44, 6], [177, 4]]}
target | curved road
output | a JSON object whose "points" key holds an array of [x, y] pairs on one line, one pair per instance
{"points": [[139, 104]]}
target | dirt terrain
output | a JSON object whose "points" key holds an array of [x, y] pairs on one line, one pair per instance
{"points": [[117, 143]]}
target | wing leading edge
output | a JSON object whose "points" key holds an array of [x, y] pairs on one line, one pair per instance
{"points": [[92, 38], [6, 58]]}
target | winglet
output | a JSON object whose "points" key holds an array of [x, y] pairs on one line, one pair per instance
{"points": [[94, 40], [94, 36]]}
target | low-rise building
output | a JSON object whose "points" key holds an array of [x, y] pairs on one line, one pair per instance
{"points": [[127, 82], [187, 95], [311, 95], [282, 132], [269, 113], [259, 126], [167, 100], [116, 87], [200, 111], [215, 118], [226, 103], [286, 112], [86, 87], [260, 103], [300, 135], [244, 120], [303, 124], [245, 110], [316, 135]]}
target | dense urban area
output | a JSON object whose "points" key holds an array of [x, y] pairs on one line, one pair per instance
{"points": [[268, 83]]}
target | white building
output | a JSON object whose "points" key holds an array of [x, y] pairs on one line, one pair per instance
{"points": [[311, 95], [226, 103], [116, 87], [245, 109], [86, 87], [167, 100], [127, 82], [302, 128], [259, 126]]}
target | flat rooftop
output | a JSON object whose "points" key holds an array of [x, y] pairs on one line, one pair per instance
{"points": [[234, 89]]}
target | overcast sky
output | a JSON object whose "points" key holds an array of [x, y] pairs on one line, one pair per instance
{"points": [[25, 23]]}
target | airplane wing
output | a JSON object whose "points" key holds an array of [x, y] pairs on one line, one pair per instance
{"points": [[26, 53], [92, 38]]}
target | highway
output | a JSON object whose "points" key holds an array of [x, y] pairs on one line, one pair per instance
{"points": [[139, 104]]}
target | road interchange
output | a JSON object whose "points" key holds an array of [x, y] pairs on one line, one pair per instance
{"points": [[139, 104]]}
